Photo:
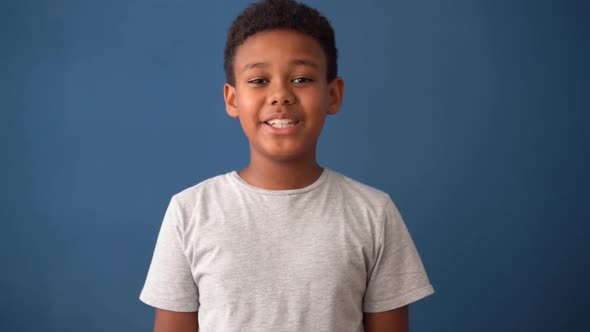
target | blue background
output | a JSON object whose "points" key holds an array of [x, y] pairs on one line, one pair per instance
{"points": [[472, 115]]}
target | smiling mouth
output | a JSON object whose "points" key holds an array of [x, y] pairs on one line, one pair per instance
{"points": [[282, 123]]}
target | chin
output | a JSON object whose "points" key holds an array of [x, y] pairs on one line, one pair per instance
{"points": [[284, 155], [284, 152]]}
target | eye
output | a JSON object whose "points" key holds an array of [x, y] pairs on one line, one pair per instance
{"points": [[258, 81], [301, 80]]}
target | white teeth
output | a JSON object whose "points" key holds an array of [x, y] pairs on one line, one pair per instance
{"points": [[281, 123]]}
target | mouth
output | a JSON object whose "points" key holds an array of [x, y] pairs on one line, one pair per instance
{"points": [[282, 123]]}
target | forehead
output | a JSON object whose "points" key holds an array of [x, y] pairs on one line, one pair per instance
{"points": [[277, 47]]}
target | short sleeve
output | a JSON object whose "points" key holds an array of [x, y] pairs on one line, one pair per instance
{"points": [[398, 276], [169, 284]]}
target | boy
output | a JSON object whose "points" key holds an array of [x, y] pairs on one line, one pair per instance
{"points": [[283, 244]]}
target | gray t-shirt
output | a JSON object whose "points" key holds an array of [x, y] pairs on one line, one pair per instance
{"points": [[309, 259]]}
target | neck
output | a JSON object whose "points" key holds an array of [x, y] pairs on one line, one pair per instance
{"points": [[281, 175]]}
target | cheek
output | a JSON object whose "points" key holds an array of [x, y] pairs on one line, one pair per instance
{"points": [[250, 107], [316, 98]]}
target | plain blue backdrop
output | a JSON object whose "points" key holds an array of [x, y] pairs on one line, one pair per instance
{"points": [[472, 115]]}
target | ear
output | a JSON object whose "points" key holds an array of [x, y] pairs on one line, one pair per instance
{"points": [[229, 94], [335, 95]]}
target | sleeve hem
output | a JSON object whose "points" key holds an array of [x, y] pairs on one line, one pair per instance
{"points": [[400, 301], [167, 305]]}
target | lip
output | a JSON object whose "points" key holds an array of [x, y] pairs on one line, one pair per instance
{"points": [[281, 116], [282, 131]]}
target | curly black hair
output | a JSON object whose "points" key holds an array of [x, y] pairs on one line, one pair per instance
{"points": [[280, 14]]}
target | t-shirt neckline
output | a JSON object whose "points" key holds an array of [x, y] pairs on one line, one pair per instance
{"points": [[318, 182]]}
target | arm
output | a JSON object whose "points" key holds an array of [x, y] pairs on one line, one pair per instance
{"points": [[388, 321], [172, 321]]}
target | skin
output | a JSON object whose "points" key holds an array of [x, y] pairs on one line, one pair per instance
{"points": [[171, 321], [388, 321], [282, 72]]}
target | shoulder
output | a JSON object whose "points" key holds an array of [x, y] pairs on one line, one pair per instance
{"points": [[187, 199], [359, 189], [358, 193]]}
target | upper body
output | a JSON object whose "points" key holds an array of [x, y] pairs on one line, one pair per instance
{"points": [[308, 259], [222, 265]]}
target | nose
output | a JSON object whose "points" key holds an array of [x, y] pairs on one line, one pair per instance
{"points": [[282, 95]]}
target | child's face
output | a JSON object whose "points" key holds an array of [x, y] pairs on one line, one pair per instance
{"points": [[281, 95]]}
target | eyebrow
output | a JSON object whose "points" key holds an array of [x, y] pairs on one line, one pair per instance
{"points": [[296, 62]]}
